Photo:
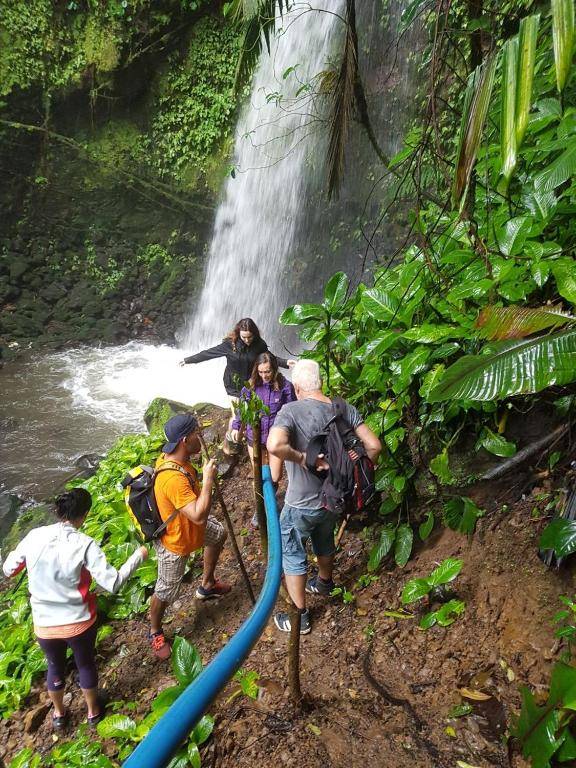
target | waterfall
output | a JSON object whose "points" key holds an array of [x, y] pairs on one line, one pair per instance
{"points": [[280, 144]]}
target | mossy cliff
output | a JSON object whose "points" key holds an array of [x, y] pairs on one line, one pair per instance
{"points": [[115, 125]]}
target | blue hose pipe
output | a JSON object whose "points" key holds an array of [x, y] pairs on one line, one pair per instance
{"points": [[165, 738]]}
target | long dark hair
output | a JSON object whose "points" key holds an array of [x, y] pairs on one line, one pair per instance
{"points": [[256, 379], [246, 324], [73, 504]]}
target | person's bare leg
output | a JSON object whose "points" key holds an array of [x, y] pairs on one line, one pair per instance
{"points": [[296, 586], [157, 610], [211, 555], [57, 699], [325, 566], [91, 699]]}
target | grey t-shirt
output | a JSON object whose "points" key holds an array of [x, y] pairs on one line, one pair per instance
{"points": [[302, 420]]}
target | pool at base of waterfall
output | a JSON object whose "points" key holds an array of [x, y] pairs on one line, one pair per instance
{"points": [[55, 407]]}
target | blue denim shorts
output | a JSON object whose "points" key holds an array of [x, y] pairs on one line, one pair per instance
{"points": [[299, 525]]}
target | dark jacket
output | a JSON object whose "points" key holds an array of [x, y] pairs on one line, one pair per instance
{"points": [[274, 399], [239, 361]]}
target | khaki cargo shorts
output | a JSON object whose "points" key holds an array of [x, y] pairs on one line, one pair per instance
{"points": [[171, 567]]}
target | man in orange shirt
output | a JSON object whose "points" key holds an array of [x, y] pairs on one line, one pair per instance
{"points": [[178, 490]]}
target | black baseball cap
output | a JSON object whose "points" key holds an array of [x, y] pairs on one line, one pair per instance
{"points": [[178, 427]]}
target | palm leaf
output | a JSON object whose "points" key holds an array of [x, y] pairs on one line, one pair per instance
{"points": [[559, 171], [517, 322], [525, 74], [476, 103], [258, 27], [508, 113], [513, 368], [343, 101], [563, 37]]}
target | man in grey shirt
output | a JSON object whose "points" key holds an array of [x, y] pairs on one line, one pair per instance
{"points": [[303, 516]]}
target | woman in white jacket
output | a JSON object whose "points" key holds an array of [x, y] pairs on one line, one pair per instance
{"points": [[61, 563]]}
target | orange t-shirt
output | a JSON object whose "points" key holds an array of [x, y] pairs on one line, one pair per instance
{"points": [[173, 490]]}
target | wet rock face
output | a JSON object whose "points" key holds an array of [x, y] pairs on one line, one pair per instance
{"points": [[87, 464], [9, 506], [84, 263], [213, 421]]}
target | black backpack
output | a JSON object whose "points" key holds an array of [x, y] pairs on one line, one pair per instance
{"points": [[348, 485], [141, 502]]}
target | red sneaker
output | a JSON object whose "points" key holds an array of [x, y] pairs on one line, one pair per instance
{"points": [[217, 590], [160, 646]]}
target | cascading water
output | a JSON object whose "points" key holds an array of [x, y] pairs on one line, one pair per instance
{"points": [[279, 149], [276, 238]]}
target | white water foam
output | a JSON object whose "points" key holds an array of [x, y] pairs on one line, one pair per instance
{"points": [[117, 383]]}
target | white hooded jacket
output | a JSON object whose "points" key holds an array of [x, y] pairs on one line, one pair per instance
{"points": [[61, 563]]}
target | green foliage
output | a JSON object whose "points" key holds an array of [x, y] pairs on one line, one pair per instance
{"points": [[126, 732], [563, 35], [461, 514], [400, 537], [405, 347], [559, 535], [21, 659], [416, 589], [191, 116], [251, 409], [544, 730], [247, 680], [567, 620], [443, 616], [54, 46]]}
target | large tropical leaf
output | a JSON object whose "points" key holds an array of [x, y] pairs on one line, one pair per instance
{"points": [[563, 36], [476, 103], [503, 323], [379, 304], [517, 367], [301, 313], [564, 271], [508, 115], [335, 292], [560, 170], [525, 73]]}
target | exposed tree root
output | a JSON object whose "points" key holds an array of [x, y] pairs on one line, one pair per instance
{"points": [[419, 724]]}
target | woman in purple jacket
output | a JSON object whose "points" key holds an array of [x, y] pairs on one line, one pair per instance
{"points": [[274, 391]]}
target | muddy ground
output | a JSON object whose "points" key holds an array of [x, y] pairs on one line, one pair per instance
{"points": [[378, 691]]}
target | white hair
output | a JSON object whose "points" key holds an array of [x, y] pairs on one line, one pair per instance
{"points": [[306, 375]]}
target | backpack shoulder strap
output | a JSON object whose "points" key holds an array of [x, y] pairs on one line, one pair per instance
{"points": [[164, 467], [173, 465]]}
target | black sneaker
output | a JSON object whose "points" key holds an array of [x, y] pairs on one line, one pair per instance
{"points": [[282, 621], [317, 586]]}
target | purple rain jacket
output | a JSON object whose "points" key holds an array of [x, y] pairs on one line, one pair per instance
{"points": [[274, 399]]}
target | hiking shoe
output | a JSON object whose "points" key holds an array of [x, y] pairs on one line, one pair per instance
{"points": [[282, 621], [219, 589], [59, 722], [102, 704], [317, 586], [160, 646]]}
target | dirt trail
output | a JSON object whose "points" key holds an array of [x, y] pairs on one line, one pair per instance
{"points": [[378, 690]]}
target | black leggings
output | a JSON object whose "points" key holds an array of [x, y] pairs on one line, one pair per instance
{"points": [[83, 647]]}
